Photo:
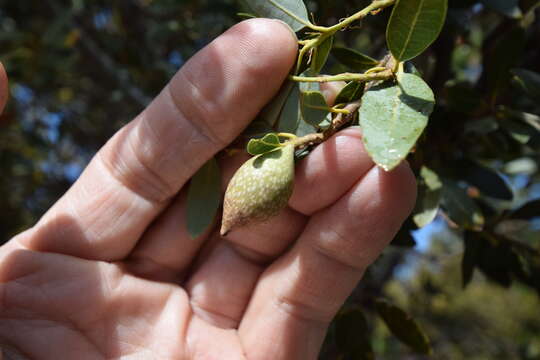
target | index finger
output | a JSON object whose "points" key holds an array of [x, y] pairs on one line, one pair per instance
{"points": [[132, 178]]}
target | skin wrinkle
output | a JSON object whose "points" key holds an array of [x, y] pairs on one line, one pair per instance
{"points": [[336, 256], [200, 103], [115, 172], [212, 316], [163, 189], [301, 311]]}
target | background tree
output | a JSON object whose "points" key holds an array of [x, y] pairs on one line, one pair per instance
{"points": [[80, 69]]}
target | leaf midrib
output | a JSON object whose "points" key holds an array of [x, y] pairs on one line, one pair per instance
{"points": [[409, 35]]}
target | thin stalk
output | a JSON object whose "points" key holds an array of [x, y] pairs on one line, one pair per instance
{"points": [[382, 75]]}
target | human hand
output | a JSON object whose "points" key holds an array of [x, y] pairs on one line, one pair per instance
{"points": [[110, 272]]}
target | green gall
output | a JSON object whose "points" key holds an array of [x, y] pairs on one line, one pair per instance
{"points": [[259, 189]]}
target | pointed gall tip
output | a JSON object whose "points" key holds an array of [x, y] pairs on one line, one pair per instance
{"points": [[224, 230]]}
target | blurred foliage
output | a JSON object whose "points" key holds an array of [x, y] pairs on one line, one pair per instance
{"points": [[80, 69]]}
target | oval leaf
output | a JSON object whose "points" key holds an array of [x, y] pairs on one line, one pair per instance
{"points": [[393, 116], [354, 60], [487, 180], [471, 254], [413, 26], [290, 115], [320, 55], [272, 111], [352, 333], [260, 146], [203, 199], [460, 208], [403, 327], [350, 92], [505, 55], [292, 12], [314, 107]]}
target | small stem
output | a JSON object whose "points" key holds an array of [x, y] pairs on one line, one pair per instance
{"points": [[382, 75], [400, 67], [287, 135], [339, 121], [339, 111], [375, 69], [375, 5], [300, 20]]}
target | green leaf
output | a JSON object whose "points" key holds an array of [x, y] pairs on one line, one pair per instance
{"points": [[529, 81], [462, 97], [413, 26], [404, 236], [292, 12], [320, 55], [496, 258], [486, 180], [260, 146], [482, 126], [393, 116], [505, 55], [203, 199], [404, 327], [528, 211], [314, 107], [351, 329], [520, 131], [509, 8], [304, 129], [429, 197], [350, 92], [272, 111], [460, 208], [354, 60], [525, 165], [290, 114], [471, 254]]}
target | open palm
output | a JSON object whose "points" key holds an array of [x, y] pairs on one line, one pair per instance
{"points": [[110, 272]]}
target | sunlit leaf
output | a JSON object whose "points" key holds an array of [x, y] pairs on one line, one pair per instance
{"points": [[413, 26], [393, 116], [203, 199], [260, 146], [525, 165], [429, 197]]}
